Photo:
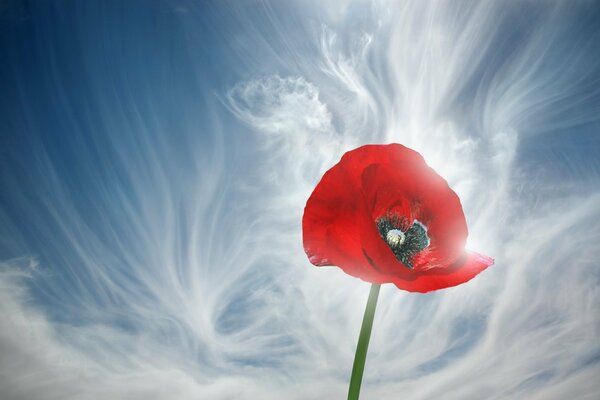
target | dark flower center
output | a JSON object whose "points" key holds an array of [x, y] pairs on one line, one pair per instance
{"points": [[403, 243]]}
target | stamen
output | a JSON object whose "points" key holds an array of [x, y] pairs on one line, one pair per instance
{"points": [[405, 244]]}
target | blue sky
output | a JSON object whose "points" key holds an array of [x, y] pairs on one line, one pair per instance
{"points": [[155, 158]]}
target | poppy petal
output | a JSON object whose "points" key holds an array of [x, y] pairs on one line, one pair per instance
{"points": [[468, 266], [333, 219]]}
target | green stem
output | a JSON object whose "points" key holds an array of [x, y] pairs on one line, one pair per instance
{"points": [[363, 344]]}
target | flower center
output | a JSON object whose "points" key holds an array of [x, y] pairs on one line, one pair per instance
{"points": [[404, 244], [395, 237]]}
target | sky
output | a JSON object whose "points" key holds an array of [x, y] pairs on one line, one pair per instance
{"points": [[155, 159]]}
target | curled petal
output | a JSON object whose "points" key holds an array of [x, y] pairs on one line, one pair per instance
{"points": [[461, 271]]}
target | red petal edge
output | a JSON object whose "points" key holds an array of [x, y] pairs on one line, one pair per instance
{"points": [[440, 278]]}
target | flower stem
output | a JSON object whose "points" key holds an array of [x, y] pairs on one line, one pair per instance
{"points": [[363, 344]]}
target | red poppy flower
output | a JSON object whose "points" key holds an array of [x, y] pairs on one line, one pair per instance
{"points": [[383, 215]]}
